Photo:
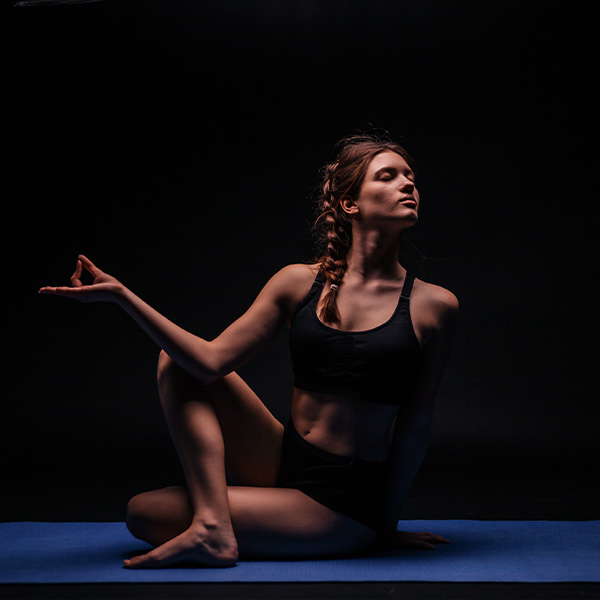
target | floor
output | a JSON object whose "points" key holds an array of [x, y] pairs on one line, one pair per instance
{"points": [[463, 486]]}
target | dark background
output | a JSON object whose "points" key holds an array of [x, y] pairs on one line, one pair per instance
{"points": [[177, 143]]}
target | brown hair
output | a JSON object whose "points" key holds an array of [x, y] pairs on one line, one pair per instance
{"points": [[332, 226]]}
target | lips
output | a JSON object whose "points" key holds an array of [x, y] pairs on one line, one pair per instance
{"points": [[410, 201]]}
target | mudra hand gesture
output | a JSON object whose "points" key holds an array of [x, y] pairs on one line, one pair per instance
{"points": [[104, 288]]}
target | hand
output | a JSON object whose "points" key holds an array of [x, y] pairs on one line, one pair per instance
{"points": [[104, 287], [415, 541]]}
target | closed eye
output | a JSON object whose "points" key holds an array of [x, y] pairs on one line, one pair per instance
{"points": [[386, 174], [390, 173]]}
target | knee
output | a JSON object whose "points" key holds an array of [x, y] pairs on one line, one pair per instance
{"points": [[137, 517], [167, 368], [174, 382], [159, 515], [169, 375]]}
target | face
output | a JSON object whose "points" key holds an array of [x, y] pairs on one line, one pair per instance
{"points": [[388, 193]]}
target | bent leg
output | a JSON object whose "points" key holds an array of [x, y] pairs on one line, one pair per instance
{"points": [[203, 420], [268, 523], [250, 434]]}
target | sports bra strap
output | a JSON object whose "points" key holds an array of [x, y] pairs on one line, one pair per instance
{"points": [[407, 287]]}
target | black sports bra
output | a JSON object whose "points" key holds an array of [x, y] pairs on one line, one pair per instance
{"points": [[380, 364]]}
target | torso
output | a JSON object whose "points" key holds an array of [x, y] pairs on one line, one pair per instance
{"points": [[346, 426]]}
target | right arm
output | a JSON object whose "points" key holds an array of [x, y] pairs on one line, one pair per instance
{"points": [[202, 359]]}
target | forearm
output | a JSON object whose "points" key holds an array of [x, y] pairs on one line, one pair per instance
{"points": [[407, 454], [189, 351]]}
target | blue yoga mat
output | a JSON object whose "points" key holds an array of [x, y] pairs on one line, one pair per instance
{"points": [[480, 551]]}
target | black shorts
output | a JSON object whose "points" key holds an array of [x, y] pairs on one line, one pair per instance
{"points": [[350, 486]]}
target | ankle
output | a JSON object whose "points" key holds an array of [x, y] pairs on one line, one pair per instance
{"points": [[210, 523]]}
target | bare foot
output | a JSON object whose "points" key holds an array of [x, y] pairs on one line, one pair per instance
{"points": [[200, 545]]}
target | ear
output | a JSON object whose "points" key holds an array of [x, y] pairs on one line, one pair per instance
{"points": [[349, 206]]}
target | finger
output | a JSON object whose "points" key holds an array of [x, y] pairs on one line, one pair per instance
{"points": [[76, 277], [90, 267], [433, 537], [68, 292], [423, 545], [438, 539]]}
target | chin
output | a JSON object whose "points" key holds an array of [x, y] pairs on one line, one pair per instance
{"points": [[406, 225]]}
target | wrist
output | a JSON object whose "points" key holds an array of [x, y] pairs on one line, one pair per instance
{"points": [[122, 295], [387, 529]]}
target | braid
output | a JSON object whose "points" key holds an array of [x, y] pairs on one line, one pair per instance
{"points": [[336, 241]]}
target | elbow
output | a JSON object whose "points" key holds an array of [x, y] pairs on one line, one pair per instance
{"points": [[415, 436], [168, 370], [213, 367], [210, 376]]}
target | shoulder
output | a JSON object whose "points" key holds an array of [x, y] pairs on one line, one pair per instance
{"points": [[435, 296], [294, 277], [435, 306], [290, 284]]}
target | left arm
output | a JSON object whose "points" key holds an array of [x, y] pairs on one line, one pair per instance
{"points": [[413, 423]]}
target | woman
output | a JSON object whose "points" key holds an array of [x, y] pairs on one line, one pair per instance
{"points": [[367, 368]]}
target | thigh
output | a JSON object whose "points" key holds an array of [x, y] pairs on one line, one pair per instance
{"points": [[251, 434], [286, 523], [268, 522]]}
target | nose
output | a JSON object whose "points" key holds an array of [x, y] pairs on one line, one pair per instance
{"points": [[407, 185]]}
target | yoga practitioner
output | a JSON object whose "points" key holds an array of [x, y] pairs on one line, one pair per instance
{"points": [[368, 343]]}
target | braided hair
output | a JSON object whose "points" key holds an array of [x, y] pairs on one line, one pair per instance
{"points": [[332, 226]]}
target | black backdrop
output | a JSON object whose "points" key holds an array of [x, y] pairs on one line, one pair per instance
{"points": [[177, 144]]}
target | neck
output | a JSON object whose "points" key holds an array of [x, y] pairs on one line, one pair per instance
{"points": [[374, 256]]}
